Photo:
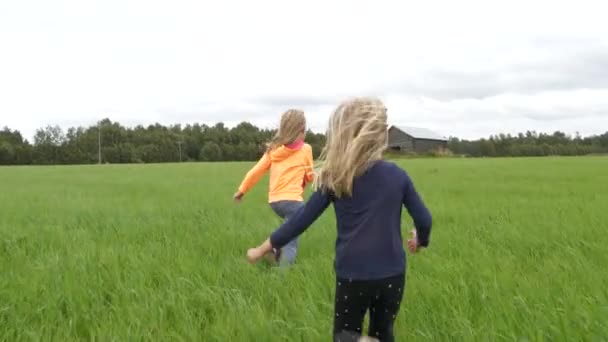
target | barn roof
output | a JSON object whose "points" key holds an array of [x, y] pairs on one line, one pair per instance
{"points": [[420, 133]]}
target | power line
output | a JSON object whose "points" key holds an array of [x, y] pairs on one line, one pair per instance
{"points": [[179, 145], [99, 141]]}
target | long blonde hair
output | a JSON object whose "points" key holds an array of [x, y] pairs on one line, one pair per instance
{"points": [[356, 137], [293, 123]]}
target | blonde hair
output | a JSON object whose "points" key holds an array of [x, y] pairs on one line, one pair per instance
{"points": [[356, 137], [293, 123]]}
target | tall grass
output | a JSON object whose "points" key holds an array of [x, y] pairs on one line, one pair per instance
{"points": [[156, 252]]}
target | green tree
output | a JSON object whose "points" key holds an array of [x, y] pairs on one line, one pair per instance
{"points": [[211, 152], [7, 153]]}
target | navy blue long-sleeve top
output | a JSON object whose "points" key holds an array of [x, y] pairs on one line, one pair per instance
{"points": [[369, 244]]}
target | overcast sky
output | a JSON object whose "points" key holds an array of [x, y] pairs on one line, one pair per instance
{"points": [[462, 68]]}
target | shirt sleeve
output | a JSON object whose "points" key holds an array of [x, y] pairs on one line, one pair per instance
{"points": [[301, 220], [255, 174], [310, 171], [418, 211]]}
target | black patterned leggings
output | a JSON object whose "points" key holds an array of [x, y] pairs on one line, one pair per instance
{"points": [[355, 297]]}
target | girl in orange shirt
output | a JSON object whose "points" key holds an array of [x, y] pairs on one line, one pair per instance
{"points": [[290, 162]]}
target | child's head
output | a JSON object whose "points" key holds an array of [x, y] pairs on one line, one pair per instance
{"points": [[292, 128], [357, 136]]}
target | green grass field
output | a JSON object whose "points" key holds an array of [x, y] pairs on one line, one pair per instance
{"points": [[519, 251]]}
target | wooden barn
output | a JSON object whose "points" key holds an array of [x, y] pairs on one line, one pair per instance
{"points": [[415, 140]]}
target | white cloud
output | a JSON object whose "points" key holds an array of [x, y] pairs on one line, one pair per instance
{"points": [[466, 68], [584, 111]]}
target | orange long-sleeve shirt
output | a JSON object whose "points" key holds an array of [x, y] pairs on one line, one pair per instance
{"points": [[290, 170]]}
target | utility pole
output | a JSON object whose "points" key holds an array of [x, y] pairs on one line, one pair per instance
{"points": [[179, 145], [99, 141]]}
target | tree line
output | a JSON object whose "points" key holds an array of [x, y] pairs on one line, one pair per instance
{"points": [[530, 143], [110, 142]]}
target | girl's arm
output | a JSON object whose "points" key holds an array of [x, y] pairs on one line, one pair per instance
{"points": [[310, 171], [254, 175], [419, 212], [293, 227]]}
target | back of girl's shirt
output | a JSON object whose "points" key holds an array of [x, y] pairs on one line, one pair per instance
{"points": [[290, 168], [369, 243]]}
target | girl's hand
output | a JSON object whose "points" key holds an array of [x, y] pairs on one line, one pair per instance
{"points": [[238, 196], [254, 255], [412, 244]]}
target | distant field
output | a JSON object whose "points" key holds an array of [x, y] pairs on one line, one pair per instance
{"points": [[519, 251]]}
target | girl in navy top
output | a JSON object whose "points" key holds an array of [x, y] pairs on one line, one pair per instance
{"points": [[368, 195]]}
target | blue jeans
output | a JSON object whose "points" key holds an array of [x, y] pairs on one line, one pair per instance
{"points": [[285, 209]]}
